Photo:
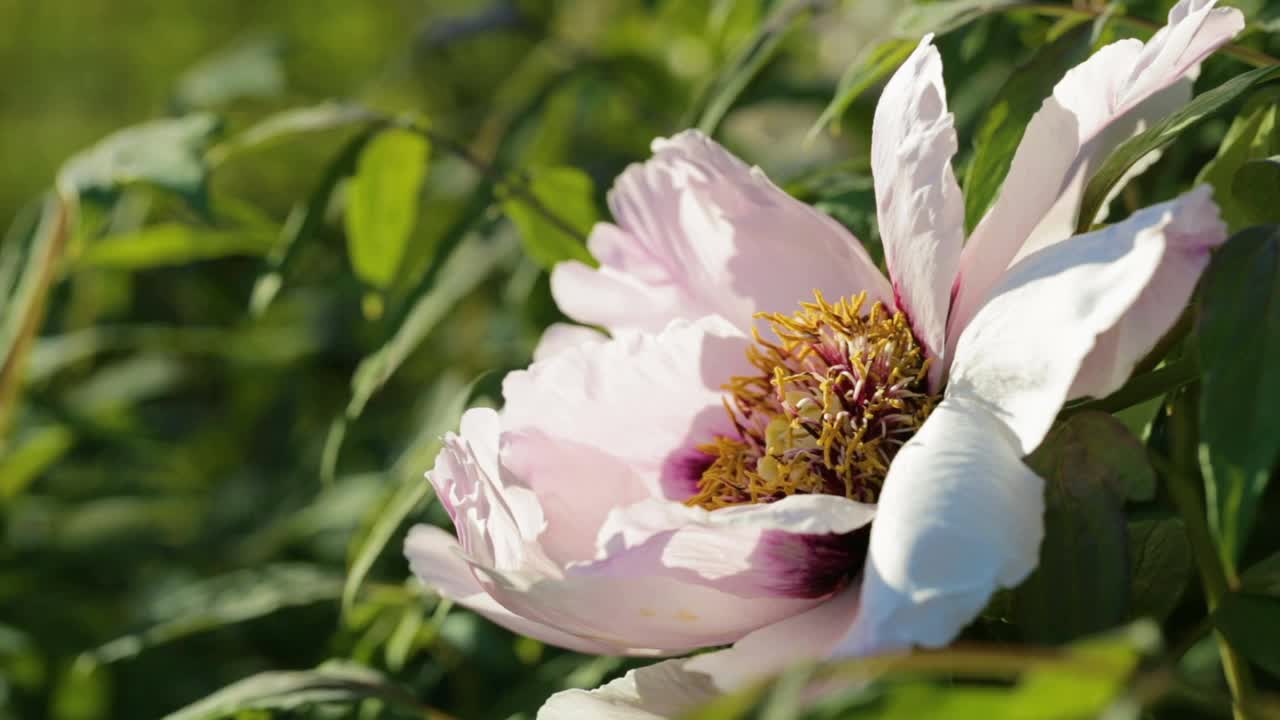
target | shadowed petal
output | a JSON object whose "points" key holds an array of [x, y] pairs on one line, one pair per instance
{"points": [[960, 516]]}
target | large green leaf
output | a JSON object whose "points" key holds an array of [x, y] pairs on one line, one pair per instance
{"points": [[1090, 463], [164, 153], [382, 203], [1257, 185], [1251, 623], [1006, 120], [1252, 135], [1160, 565], [1162, 134], [171, 244], [1239, 329], [330, 684], [554, 209]]}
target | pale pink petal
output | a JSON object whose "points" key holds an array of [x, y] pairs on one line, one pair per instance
{"points": [[803, 546], [660, 691], [437, 560], [1064, 136], [1021, 354], [561, 336], [648, 400], [636, 611], [1186, 255], [577, 485], [918, 201], [496, 525], [959, 517], [809, 636], [673, 688], [699, 232]]}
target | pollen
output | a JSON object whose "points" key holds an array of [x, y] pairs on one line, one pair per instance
{"points": [[837, 393]]}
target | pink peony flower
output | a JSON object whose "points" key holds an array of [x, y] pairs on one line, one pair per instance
{"points": [[778, 448]]}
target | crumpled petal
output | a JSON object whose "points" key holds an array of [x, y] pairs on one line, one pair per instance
{"points": [[918, 201], [437, 560], [647, 400], [699, 232], [1021, 354], [1060, 139], [959, 517]]}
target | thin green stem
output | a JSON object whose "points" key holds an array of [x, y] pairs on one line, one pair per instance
{"points": [[1239, 52], [1184, 487], [1142, 388]]}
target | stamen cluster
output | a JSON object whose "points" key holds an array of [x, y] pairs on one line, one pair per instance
{"points": [[837, 395]]}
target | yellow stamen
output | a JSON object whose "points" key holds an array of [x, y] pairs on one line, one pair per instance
{"points": [[835, 397]]}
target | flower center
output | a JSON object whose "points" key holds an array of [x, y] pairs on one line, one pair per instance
{"points": [[837, 395]]}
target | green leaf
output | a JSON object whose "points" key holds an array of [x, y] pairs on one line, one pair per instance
{"points": [[1079, 681], [30, 454], [332, 683], [1090, 463], [409, 489], [1005, 122], [328, 115], [1162, 134], [1263, 577], [382, 204], [171, 244], [1239, 330], [748, 63], [1249, 137], [1251, 623], [1160, 566], [462, 271], [250, 69], [861, 75], [212, 603], [164, 153], [1257, 185], [553, 210], [304, 223]]}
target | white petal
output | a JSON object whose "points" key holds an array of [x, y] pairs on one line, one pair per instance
{"points": [[657, 692], [959, 517], [1066, 136], [562, 336], [918, 201], [1024, 349], [809, 636], [437, 561], [1188, 243], [699, 232], [644, 399]]}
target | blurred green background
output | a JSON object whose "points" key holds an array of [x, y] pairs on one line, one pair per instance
{"points": [[225, 417]]}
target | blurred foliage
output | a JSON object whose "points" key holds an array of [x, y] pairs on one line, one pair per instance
{"points": [[233, 331]]}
